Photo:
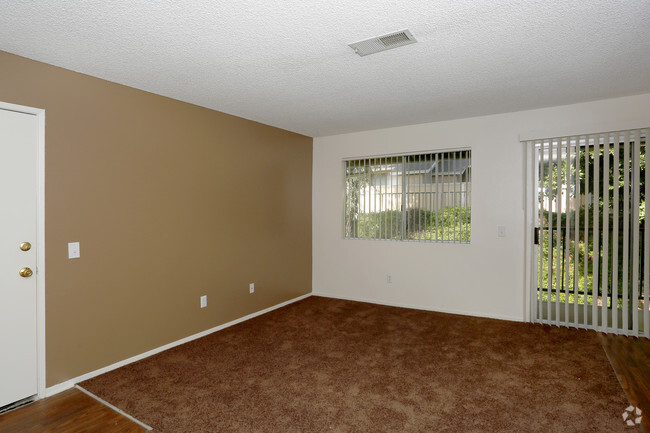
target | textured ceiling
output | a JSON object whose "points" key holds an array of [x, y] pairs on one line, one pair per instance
{"points": [[287, 63]]}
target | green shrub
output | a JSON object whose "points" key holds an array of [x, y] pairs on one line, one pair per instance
{"points": [[449, 224]]}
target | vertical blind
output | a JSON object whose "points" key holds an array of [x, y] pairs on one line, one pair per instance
{"points": [[593, 250], [416, 197]]}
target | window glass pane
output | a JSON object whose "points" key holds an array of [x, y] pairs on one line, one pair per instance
{"points": [[415, 197]]}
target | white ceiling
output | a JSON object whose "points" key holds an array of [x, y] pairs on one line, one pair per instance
{"points": [[287, 63]]}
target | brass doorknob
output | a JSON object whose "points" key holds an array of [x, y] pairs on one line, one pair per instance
{"points": [[26, 272], [25, 246]]}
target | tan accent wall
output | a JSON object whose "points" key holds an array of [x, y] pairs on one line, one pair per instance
{"points": [[170, 201]]}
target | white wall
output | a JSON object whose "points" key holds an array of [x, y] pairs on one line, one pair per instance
{"points": [[484, 278]]}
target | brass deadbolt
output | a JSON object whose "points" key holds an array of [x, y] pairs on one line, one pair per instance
{"points": [[25, 246], [26, 272]]}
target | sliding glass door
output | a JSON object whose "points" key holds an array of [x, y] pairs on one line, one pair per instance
{"points": [[591, 248]]}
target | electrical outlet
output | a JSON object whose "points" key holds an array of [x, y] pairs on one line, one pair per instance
{"points": [[74, 251], [251, 288], [389, 279], [501, 231], [204, 301]]}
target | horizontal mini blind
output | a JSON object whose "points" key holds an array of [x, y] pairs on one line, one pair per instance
{"points": [[593, 251], [422, 197]]}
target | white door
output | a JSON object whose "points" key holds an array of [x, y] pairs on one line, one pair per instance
{"points": [[18, 219]]}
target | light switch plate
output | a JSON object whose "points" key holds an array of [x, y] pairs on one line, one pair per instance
{"points": [[73, 250], [501, 231], [204, 301]]}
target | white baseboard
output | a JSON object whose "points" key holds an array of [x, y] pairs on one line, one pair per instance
{"points": [[420, 307], [59, 387], [55, 389]]}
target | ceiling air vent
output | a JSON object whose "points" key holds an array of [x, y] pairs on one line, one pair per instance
{"points": [[383, 42]]}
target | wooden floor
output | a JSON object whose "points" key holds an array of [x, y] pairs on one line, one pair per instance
{"points": [[71, 411], [630, 359]]}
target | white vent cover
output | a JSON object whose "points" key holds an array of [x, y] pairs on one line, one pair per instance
{"points": [[383, 43]]}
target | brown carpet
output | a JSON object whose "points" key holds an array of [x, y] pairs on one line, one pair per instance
{"points": [[327, 365]]}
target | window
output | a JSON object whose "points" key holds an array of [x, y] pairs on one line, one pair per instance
{"points": [[416, 197]]}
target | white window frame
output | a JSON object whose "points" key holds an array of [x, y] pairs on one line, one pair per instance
{"points": [[391, 204]]}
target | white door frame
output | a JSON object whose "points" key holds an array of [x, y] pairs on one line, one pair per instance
{"points": [[40, 239], [530, 256]]}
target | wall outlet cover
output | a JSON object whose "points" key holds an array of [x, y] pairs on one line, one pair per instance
{"points": [[74, 251]]}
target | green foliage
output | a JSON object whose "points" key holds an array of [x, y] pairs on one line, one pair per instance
{"points": [[381, 225], [615, 176], [581, 267], [621, 164], [610, 185], [449, 224]]}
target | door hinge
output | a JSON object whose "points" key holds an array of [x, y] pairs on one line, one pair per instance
{"points": [[536, 235]]}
